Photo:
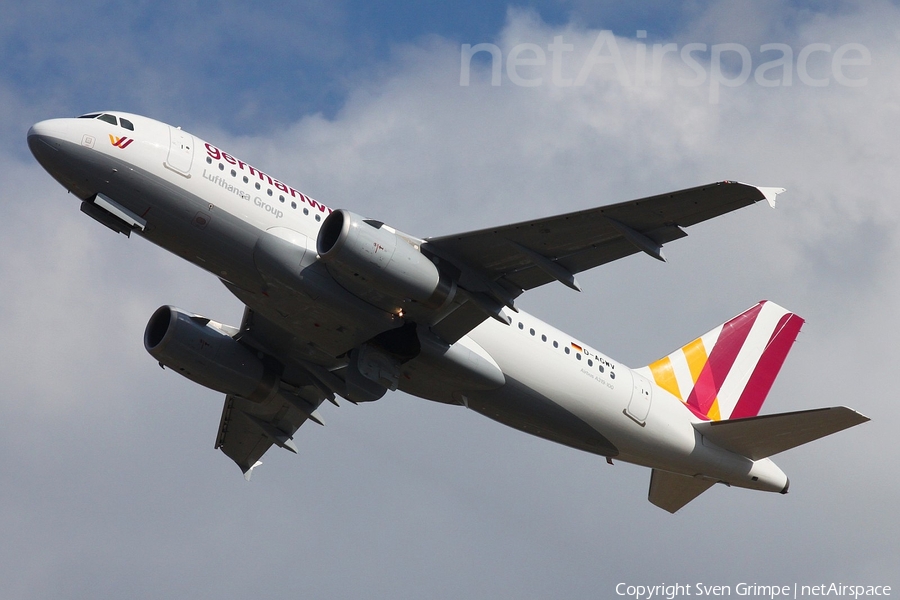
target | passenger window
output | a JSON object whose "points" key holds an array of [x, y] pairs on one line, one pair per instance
{"points": [[109, 119], [126, 124]]}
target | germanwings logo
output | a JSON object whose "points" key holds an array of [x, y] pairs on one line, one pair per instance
{"points": [[119, 142]]}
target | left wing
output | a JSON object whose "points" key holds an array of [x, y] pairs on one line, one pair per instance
{"points": [[496, 265], [248, 429]]}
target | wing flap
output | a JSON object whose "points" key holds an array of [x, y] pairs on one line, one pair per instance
{"points": [[767, 435], [671, 491]]}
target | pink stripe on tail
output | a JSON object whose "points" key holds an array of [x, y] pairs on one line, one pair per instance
{"points": [[767, 368], [734, 334]]}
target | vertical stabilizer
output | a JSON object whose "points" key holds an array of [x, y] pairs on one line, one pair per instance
{"points": [[727, 372]]}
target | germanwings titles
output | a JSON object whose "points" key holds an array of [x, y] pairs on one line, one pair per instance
{"points": [[338, 305]]}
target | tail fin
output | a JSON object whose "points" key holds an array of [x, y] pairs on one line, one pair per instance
{"points": [[727, 372]]}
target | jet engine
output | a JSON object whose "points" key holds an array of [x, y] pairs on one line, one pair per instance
{"points": [[207, 353], [372, 261]]}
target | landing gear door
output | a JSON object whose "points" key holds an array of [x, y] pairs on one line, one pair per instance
{"points": [[181, 151], [641, 397]]}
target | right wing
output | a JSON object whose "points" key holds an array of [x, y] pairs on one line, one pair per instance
{"points": [[496, 265]]}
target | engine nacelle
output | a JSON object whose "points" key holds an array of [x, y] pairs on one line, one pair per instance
{"points": [[205, 352], [365, 255]]}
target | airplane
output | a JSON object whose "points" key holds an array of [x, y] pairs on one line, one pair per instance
{"points": [[340, 305]]}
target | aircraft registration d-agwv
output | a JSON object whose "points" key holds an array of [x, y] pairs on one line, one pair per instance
{"points": [[342, 305]]}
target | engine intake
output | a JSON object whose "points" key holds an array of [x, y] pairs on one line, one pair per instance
{"points": [[362, 254], [207, 353]]}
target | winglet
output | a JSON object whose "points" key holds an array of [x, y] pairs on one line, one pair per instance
{"points": [[249, 471], [770, 193]]}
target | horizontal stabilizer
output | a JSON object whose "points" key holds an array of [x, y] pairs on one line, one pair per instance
{"points": [[671, 491], [763, 436]]}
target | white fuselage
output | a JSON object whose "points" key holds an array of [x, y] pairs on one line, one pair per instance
{"points": [[207, 206]]}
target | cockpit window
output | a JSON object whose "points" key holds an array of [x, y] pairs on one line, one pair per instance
{"points": [[125, 123]]}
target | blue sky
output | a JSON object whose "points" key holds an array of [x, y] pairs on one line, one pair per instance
{"points": [[111, 486], [247, 67]]}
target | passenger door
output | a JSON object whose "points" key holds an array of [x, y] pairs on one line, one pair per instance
{"points": [[181, 151]]}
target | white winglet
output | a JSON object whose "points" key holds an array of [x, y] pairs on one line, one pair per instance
{"points": [[770, 193], [249, 471]]}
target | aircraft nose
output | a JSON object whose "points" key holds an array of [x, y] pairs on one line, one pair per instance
{"points": [[47, 132], [44, 139]]}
